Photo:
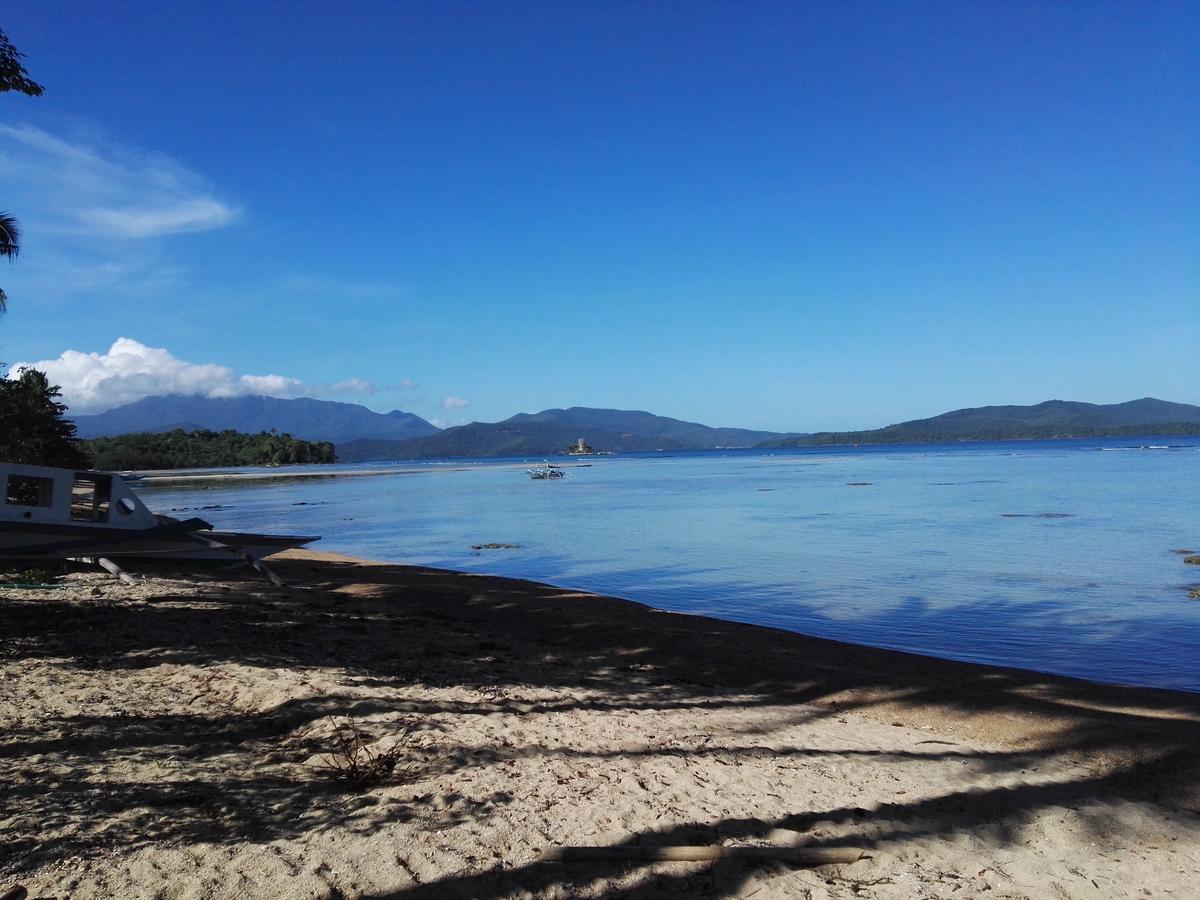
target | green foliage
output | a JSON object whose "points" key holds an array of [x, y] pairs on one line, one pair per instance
{"points": [[10, 246], [13, 76], [10, 236], [32, 428], [181, 449]]}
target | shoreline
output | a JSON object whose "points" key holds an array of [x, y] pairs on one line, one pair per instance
{"points": [[171, 736], [830, 654], [884, 657], [456, 464], [149, 477]]}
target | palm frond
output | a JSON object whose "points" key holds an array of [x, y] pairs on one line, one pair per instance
{"points": [[10, 236]]}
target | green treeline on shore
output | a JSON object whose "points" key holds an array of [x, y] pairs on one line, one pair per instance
{"points": [[181, 449]]}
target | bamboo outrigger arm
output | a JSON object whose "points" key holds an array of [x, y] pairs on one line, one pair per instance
{"points": [[800, 856]]}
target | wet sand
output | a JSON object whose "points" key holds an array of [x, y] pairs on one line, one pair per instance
{"points": [[172, 739]]}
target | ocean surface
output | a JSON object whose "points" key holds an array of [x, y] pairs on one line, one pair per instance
{"points": [[1059, 556]]}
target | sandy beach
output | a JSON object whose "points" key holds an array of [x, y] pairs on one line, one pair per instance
{"points": [[177, 739]]}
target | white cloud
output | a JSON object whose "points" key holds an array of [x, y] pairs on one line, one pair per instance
{"points": [[272, 385], [193, 215], [353, 386], [452, 403], [93, 382], [98, 216], [104, 190]]}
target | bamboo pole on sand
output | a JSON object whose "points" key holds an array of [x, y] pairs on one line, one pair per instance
{"points": [[800, 856]]}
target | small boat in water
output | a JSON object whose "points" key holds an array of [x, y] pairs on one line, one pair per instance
{"points": [[49, 513], [546, 470]]}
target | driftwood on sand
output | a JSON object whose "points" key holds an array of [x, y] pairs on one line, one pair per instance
{"points": [[800, 856]]}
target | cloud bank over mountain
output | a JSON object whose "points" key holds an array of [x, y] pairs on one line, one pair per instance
{"points": [[130, 370]]}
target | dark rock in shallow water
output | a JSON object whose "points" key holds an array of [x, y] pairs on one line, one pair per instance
{"points": [[859, 483], [495, 546], [1194, 592], [1194, 560]]}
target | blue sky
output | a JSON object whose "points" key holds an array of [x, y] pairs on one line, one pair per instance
{"points": [[793, 216]]}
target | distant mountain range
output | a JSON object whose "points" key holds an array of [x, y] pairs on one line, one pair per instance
{"points": [[361, 434], [1052, 419], [312, 420], [553, 430]]}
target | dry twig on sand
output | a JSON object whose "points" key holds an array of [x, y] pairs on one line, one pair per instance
{"points": [[353, 760]]}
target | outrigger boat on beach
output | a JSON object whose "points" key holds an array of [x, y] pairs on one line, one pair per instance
{"points": [[49, 513]]}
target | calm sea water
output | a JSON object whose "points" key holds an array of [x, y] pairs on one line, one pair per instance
{"points": [[1050, 555]]}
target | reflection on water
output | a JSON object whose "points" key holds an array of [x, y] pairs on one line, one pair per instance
{"points": [[1046, 555]]}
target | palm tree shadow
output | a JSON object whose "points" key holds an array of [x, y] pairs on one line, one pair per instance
{"points": [[229, 776]]}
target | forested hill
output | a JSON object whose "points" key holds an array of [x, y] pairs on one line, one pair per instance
{"points": [[1052, 419], [202, 449], [304, 417], [553, 430], [642, 424]]}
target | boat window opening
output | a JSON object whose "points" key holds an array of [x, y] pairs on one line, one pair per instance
{"points": [[29, 490], [125, 506], [90, 495]]}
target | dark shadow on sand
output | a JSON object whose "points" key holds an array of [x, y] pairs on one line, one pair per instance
{"points": [[393, 626]]}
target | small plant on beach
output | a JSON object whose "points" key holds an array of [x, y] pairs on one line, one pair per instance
{"points": [[353, 760], [31, 576]]}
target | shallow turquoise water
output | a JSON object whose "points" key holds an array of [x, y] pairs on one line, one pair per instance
{"points": [[947, 551]]}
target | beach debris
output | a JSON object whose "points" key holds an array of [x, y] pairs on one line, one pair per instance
{"points": [[112, 568], [495, 546], [800, 856], [353, 759]]}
